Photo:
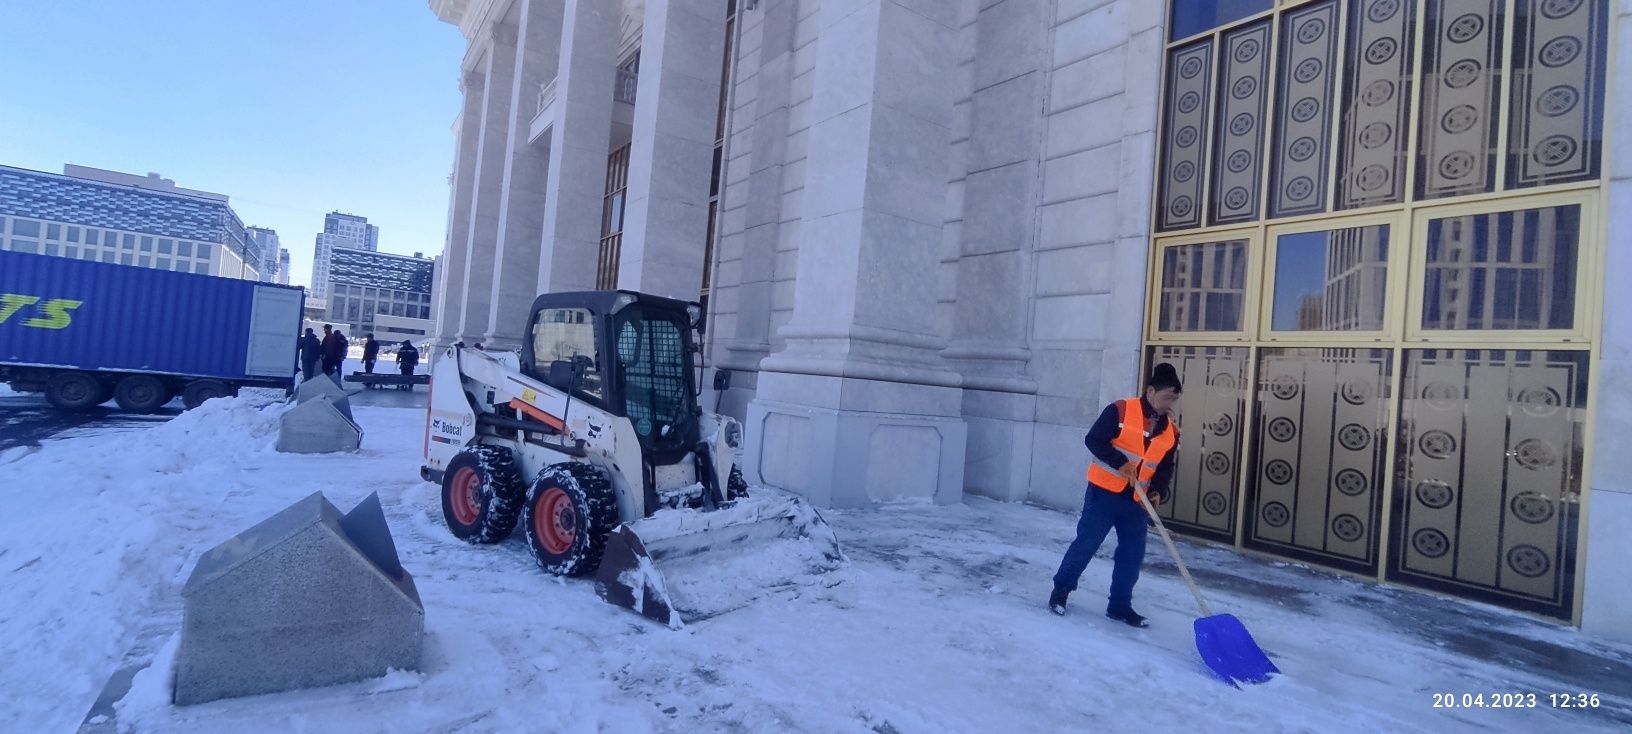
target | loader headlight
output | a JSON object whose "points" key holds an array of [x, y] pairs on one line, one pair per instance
{"points": [[733, 435]]}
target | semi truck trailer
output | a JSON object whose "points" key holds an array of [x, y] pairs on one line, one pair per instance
{"points": [[87, 332]]}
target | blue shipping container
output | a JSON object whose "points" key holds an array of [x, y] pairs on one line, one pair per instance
{"points": [[61, 312]]}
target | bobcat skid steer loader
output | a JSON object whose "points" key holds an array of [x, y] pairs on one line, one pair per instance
{"points": [[593, 440]]}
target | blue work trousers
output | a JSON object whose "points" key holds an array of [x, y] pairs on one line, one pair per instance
{"points": [[1101, 511]]}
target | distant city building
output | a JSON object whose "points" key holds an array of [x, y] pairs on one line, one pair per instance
{"points": [[114, 217], [266, 241], [354, 228], [379, 292], [339, 230], [283, 266]]}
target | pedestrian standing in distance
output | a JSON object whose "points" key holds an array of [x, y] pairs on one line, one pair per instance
{"points": [[371, 353], [341, 352], [407, 360], [311, 354], [1132, 446], [328, 350]]}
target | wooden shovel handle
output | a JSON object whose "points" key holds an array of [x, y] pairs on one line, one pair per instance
{"points": [[1185, 572]]}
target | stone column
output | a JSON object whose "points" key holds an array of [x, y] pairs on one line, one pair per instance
{"points": [[858, 406], [456, 250], [438, 282], [488, 192], [672, 148], [521, 206], [995, 281], [578, 145], [1606, 605], [762, 227]]}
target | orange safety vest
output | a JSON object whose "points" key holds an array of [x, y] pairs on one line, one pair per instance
{"points": [[1131, 442]]}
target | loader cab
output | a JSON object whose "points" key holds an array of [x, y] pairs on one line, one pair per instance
{"points": [[627, 353]]}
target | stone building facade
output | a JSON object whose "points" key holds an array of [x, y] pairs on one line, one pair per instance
{"points": [[1373, 235]]}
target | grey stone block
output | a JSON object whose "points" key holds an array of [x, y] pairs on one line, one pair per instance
{"points": [[318, 426], [305, 598], [330, 388]]}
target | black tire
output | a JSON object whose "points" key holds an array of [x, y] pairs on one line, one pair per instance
{"points": [[482, 494], [74, 391], [141, 393], [570, 510], [735, 486], [199, 391]]}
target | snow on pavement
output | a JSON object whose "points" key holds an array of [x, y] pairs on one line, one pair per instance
{"points": [[936, 625]]}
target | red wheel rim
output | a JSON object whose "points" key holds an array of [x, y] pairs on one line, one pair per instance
{"points": [[554, 522], [466, 508]]}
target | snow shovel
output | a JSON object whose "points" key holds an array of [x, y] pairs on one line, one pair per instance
{"points": [[1224, 643]]}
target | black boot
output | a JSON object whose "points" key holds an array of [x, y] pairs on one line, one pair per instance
{"points": [[1056, 601], [1127, 616]]}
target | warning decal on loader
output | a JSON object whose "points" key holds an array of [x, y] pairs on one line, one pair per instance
{"points": [[536, 414]]}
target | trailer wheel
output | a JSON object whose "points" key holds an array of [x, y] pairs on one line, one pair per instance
{"points": [[74, 391], [570, 511], [199, 391], [141, 393], [482, 494]]}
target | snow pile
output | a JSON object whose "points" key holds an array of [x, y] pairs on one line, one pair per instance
{"points": [[709, 563], [936, 624], [95, 529], [707, 585], [149, 697]]}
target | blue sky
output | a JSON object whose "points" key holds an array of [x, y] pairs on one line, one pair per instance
{"points": [[293, 108]]}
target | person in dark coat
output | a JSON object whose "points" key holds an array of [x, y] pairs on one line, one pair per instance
{"points": [[311, 353], [328, 342], [1132, 447], [334, 350], [371, 353], [407, 360]]}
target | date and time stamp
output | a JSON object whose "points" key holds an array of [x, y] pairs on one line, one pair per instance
{"points": [[1509, 700]]}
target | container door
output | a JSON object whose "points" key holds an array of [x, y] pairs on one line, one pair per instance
{"points": [[274, 326]]}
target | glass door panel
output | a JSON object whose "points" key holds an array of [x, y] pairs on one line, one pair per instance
{"points": [[1211, 416], [1488, 474], [1320, 437]]}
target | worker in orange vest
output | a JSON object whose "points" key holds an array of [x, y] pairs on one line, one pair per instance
{"points": [[1132, 445]]}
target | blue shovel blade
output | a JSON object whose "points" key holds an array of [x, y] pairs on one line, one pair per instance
{"points": [[1227, 648]]}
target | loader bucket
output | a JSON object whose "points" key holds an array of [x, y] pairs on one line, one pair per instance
{"points": [[689, 565]]}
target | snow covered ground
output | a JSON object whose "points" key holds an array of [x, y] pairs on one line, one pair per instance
{"points": [[937, 624]]}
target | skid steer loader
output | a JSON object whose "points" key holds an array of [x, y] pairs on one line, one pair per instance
{"points": [[593, 440]]}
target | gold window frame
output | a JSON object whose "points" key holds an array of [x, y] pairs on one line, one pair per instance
{"points": [[1398, 245], [1252, 235], [1588, 297]]}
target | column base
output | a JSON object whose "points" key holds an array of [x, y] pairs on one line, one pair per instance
{"points": [[848, 443], [1002, 429], [1606, 610]]}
